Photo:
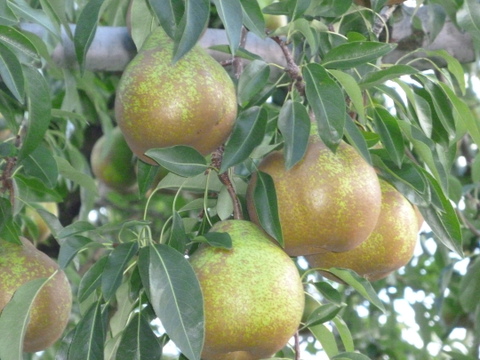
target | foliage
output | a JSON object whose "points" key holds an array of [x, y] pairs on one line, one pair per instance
{"points": [[419, 128]]}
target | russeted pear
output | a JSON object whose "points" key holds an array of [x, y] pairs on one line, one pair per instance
{"points": [[253, 294], [51, 309], [161, 104], [326, 202], [389, 247], [112, 161]]}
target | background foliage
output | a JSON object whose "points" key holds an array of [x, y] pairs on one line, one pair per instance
{"points": [[426, 119]]}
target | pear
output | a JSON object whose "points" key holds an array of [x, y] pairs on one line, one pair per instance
{"points": [[326, 202], [51, 309], [272, 22], [389, 247], [253, 294], [160, 104], [112, 161]]}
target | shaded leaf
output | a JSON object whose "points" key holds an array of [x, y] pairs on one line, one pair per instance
{"points": [[177, 238], [92, 279], [169, 13], [350, 356], [146, 175], [253, 17], [352, 54], [41, 164], [216, 239], [70, 248], [11, 73], [252, 80], [78, 177], [351, 87], [75, 228], [322, 314], [181, 160], [356, 139], [229, 12], [374, 78], [37, 16], [7, 17], [390, 134]]}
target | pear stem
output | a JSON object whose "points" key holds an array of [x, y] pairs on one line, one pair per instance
{"points": [[297, 346]]}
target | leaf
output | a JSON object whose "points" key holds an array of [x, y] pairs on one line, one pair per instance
{"points": [[75, 228], [326, 339], [37, 16], [39, 107], [70, 248], [266, 207], [253, 17], [323, 314], [78, 177], [252, 80], [352, 54], [138, 341], [390, 134], [41, 164], [92, 279], [176, 297], [453, 65], [247, 134], [350, 356], [360, 284], [146, 175], [14, 319], [191, 27], [468, 17], [216, 239], [294, 124], [329, 292], [470, 287], [356, 139], [89, 338], [230, 14], [351, 87], [177, 238], [168, 13], [344, 333], [85, 30], [11, 73], [116, 264], [378, 77], [5, 215], [328, 103], [7, 17], [181, 160]]}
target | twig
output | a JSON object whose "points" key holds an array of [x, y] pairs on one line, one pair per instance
{"points": [[292, 69], [225, 180], [237, 61], [297, 346], [381, 20]]}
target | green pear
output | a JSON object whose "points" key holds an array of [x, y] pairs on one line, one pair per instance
{"points": [[51, 309], [160, 104], [253, 294], [112, 161], [388, 248], [326, 202], [272, 22]]}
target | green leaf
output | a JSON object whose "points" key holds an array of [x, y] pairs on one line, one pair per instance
{"points": [[266, 207], [5, 215], [328, 103], [252, 80], [117, 262], [89, 338], [177, 238], [70, 248], [85, 30], [360, 284], [7, 17], [329, 292], [75, 228], [181, 160], [294, 124], [169, 13], [247, 134], [176, 297], [230, 14], [453, 65], [326, 339], [349, 55], [11, 73], [375, 78], [41, 164], [14, 319], [146, 175], [138, 341], [253, 17], [216, 239], [39, 107], [78, 177], [55, 9], [328, 8], [468, 17], [92, 279], [344, 333], [191, 27], [350, 356], [37, 16], [351, 87], [323, 314], [356, 139], [33, 190], [470, 287], [390, 134]]}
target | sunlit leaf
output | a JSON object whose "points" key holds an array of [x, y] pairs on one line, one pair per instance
{"points": [[351, 87], [349, 55], [181, 160], [322, 314], [326, 339]]}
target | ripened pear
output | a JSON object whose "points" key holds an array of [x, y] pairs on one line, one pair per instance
{"points": [[326, 202], [389, 247], [51, 309], [160, 104], [253, 294]]}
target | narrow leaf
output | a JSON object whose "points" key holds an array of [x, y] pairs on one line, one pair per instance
{"points": [[70, 248], [230, 12], [356, 139], [92, 279], [11, 73], [78, 177], [390, 134], [323, 314], [181, 160], [41, 164], [353, 90], [252, 81], [350, 356], [326, 339], [247, 134], [375, 78], [349, 55], [265, 202], [253, 17], [294, 124], [470, 287], [168, 13]]}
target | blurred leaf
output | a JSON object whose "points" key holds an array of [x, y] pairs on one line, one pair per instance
{"points": [[350, 85], [329, 292], [230, 14], [247, 134], [294, 124], [92, 279], [360, 284], [75, 228], [41, 164], [176, 297], [55, 9], [33, 190], [138, 341], [24, 11], [326, 339], [146, 175], [328, 103], [453, 65], [11, 73], [181, 160], [7, 17], [390, 134], [78, 177], [265, 202], [216, 239], [252, 80], [349, 55], [169, 13], [5, 215], [191, 27], [323, 314], [89, 338], [117, 262], [378, 77], [328, 8], [468, 17], [356, 139], [350, 356], [344, 333], [14, 319], [253, 17], [85, 30], [70, 248]]}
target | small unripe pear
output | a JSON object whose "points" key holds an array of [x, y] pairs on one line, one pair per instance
{"points": [[253, 294]]}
